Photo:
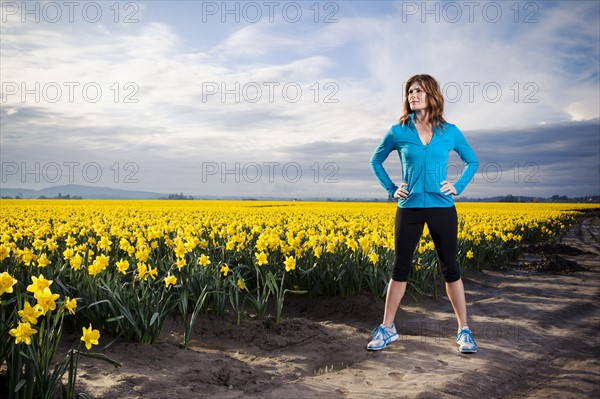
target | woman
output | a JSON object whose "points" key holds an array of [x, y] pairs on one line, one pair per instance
{"points": [[424, 140]]}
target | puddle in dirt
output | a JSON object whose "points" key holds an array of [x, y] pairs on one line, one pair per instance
{"points": [[336, 363], [332, 367], [203, 346]]}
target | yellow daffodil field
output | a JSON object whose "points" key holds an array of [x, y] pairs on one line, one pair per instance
{"points": [[120, 268]]}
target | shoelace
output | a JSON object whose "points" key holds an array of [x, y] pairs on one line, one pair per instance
{"points": [[468, 336], [385, 335]]}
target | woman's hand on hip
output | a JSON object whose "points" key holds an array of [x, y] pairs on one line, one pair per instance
{"points": [[447, 188], [401, 192]]}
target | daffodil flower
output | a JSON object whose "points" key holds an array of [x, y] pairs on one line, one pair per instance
{"points": [[170, 280], [290, 263], [46, 299], [204, 260], [38, 284], [23, 333], [70, 304], [30, 314], [225, 269], [6, 283], [240, 284], [261, 258], [90, 337]]}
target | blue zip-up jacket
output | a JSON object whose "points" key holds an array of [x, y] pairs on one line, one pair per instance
{"points": [[424, 167]]}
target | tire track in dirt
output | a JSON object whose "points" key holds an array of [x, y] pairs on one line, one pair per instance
{"points": [[573, 367]]}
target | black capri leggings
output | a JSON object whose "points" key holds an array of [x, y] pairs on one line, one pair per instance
{"points": [[443, 227]]}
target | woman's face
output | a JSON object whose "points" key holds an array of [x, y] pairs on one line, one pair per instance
{"points": [[417, 98]]}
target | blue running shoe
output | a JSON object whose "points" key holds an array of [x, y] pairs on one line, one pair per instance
{"points": [[466, 342], [382, 337]]}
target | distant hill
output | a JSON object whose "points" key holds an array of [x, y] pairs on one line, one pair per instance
{"points": [[593, 199], [86, 192], [95, 192]]}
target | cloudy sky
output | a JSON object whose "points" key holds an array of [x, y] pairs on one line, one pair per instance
{"points": [[290, 99]]}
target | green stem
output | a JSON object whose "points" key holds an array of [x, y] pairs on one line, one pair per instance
{"points": [[280, 299]]}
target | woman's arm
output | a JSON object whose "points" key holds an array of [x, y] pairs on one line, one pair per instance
{"points": [[469, 158], [381, 153]]}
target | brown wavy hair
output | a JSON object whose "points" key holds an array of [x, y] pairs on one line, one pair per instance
{"points": [[435, 100]]}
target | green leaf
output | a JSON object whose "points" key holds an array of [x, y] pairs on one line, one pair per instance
{"points": [[27, 356], [98, 302], [297, 291], [20, 385], [101, 356], [154, 317], [105, 347]]}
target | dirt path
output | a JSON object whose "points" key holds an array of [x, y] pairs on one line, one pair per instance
{"points": [[537, 333]]}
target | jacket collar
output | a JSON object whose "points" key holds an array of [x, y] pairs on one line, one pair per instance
{"points": [[435, 129]]}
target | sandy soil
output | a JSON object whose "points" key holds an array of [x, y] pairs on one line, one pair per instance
{"points": [[536, 323]]}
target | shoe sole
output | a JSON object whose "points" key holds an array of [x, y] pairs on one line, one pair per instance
{"points": [[465, 350], [392, 339]]}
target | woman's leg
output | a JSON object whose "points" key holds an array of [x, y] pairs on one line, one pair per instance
{"points": [[395, 292], [443, 227], [456, 293], [407, 232]]}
